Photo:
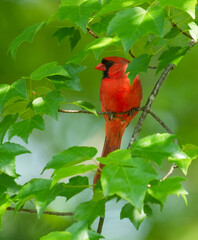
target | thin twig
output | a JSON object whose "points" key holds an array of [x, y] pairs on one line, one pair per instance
{"points": [[45, 212], [149, 102], [131, 54], [181, 31], [170, 172], [160, 121], [100, 225], [131, 112], [152, 67], [92, 33]]}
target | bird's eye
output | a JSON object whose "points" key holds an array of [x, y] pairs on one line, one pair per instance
{"points": [[107, 63]]}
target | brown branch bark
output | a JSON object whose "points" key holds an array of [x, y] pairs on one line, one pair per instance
{"points": [[112, 114], [92, 33], [160, 121], [181, 31], [149, 103], [101, 113], [45, 212], [169, 172]]}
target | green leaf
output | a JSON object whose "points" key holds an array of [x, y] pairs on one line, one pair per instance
{"points": [[41, 191], [63, 32], [71, 156], [78, 11], [101, 25], [96, 46], [19, 107], [191, 153], [26, 35], [171, 55], [76, 185], [79, 230], [128, 179], [73, 82], [139, 21], [17, 89], [118, 157], [4, 203], [185, 5], [5, 124], [137, 65], [87, 106], [94, 235], [193, 30], [89, 211], [57, 236], [48, 104], [8, 152], [48, 70], [156, 147], [144, 45], [75, 38], [7, 184], [162, 189], [172, 33], [71, 171], [71, 32], [130, 212], [24, 128], [112, 6], [38, 189]]}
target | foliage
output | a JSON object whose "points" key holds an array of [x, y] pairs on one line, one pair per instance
{"points": [[132, 175]]}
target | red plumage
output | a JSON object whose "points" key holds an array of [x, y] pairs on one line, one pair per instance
{"points": [[116, 95]]}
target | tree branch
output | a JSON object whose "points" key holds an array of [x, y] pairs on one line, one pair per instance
{"points": [[92, 33], [160, 121], [181, 31], [100, 225], [149, 102], [169, 172], [131, 112], [45, 212]]}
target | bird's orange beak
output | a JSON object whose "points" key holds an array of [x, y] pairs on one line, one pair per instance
{"points": [[101, 67]]}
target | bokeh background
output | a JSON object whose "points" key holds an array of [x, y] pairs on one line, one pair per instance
{"points": [[176, 104]]}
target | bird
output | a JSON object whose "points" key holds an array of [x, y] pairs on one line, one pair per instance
{"points": [[117, 95]]}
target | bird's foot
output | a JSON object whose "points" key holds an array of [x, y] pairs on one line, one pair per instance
{"points": [[111, 115], [132, 111]]}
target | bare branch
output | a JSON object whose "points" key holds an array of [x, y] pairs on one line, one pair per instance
{"points": [[160, 121], [92, 33], [170, 172], [112, 115], [45, 212], [149, 102], [181, 31], [131, 54], [100, 225], [152, 67], [131, 111]]}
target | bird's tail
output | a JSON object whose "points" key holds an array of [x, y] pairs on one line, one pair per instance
{"points": [[114, 133]]}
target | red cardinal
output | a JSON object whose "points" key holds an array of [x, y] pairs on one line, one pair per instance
{"points": [[116, 95]]}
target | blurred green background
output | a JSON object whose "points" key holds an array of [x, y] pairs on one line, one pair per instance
{"points": [[176, 104]]}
